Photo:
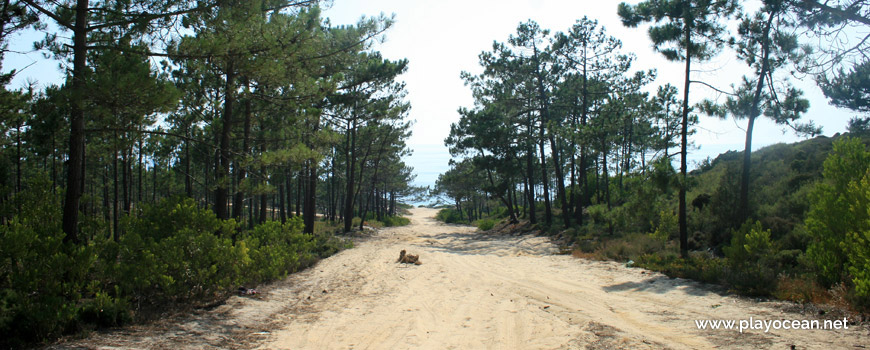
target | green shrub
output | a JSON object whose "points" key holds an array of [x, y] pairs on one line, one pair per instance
{"points": [[176, 251], [106, 310], [666, 227], [699, 266], [857, 242], [485, 224], [326, 245], [277, 249], [41, 277], [450, 216], [751, 260], [392, 221], [171, 252], [839, 219], [630, 247]]}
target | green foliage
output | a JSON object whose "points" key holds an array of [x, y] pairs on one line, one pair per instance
{"points": [[450, 216], [859, 126], [838, 219], [614, 219], [630, 247], [699, 266], [41, 278], [278, 249], [485, 224], [667, 226], [391, 221], [173, 251], [749, 245], [752, 267], [849, 89], [106, 309]]}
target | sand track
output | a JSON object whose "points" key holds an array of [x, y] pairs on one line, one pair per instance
{"points": [[474, 291]]}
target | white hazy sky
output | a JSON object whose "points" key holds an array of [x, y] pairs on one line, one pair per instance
{"points": [[443, 38]]}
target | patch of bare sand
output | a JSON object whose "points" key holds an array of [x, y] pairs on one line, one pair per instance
{"points": [[475, 291]]}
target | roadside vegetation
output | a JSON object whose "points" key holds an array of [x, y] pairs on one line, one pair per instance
{"points": [[567, 138], [194, 148]]}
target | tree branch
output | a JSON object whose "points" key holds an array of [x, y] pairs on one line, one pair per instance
{"points": [[50, 14], [846, 15], [713, 87]]}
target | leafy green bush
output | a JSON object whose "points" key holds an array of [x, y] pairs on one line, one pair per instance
{"points": [[485, 224], [751, 260], [106, 310], [614, 219], [630, 247], [176, 251], [172, 251], [667, 226], [41, 277], [839, 219], [699, 266], [392, 221], [277, 249], [857, 242], [326, 245], [450, 216]]}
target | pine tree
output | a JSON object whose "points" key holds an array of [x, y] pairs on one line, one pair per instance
{"points": [[690, 31]]}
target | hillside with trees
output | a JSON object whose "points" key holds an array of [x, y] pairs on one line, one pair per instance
{"points": [[567, 137]]}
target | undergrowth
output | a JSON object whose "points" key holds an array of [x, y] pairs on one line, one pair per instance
{"points": [[169, 253]]}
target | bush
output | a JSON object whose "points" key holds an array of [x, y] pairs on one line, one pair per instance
{"points": [[450, 216], [41, 277], [171, 252], [630, 247], [751, 260], [485, 224], [699, 266], [839, 219], [392, 221], [666, 227], [277, 249], [175, 251]]}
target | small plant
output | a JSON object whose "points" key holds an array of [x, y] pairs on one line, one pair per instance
{"points": [[392, 221], [667, 226], [485, 224], [751, 258]]}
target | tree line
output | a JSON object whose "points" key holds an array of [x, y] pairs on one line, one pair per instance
{"points": [[260, 110], [567, 137], [561, 120], [193, 147]]}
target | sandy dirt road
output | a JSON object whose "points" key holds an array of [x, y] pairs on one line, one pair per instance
{"points": [[475, 291]]}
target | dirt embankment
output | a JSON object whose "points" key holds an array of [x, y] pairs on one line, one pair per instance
{"points": [[475, 291]]}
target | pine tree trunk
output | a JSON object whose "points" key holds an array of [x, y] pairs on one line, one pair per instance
{"points": [[310, 197], [76, 170], [350, 156], [684, 231], [548, 214], [756, 102], [220, 206]]}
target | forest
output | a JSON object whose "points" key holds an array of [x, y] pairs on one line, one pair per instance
{"points": [[199, 149], [567, 137], [194, 147]]}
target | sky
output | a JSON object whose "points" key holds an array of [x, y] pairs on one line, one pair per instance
{"points": [[443, 38]]}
